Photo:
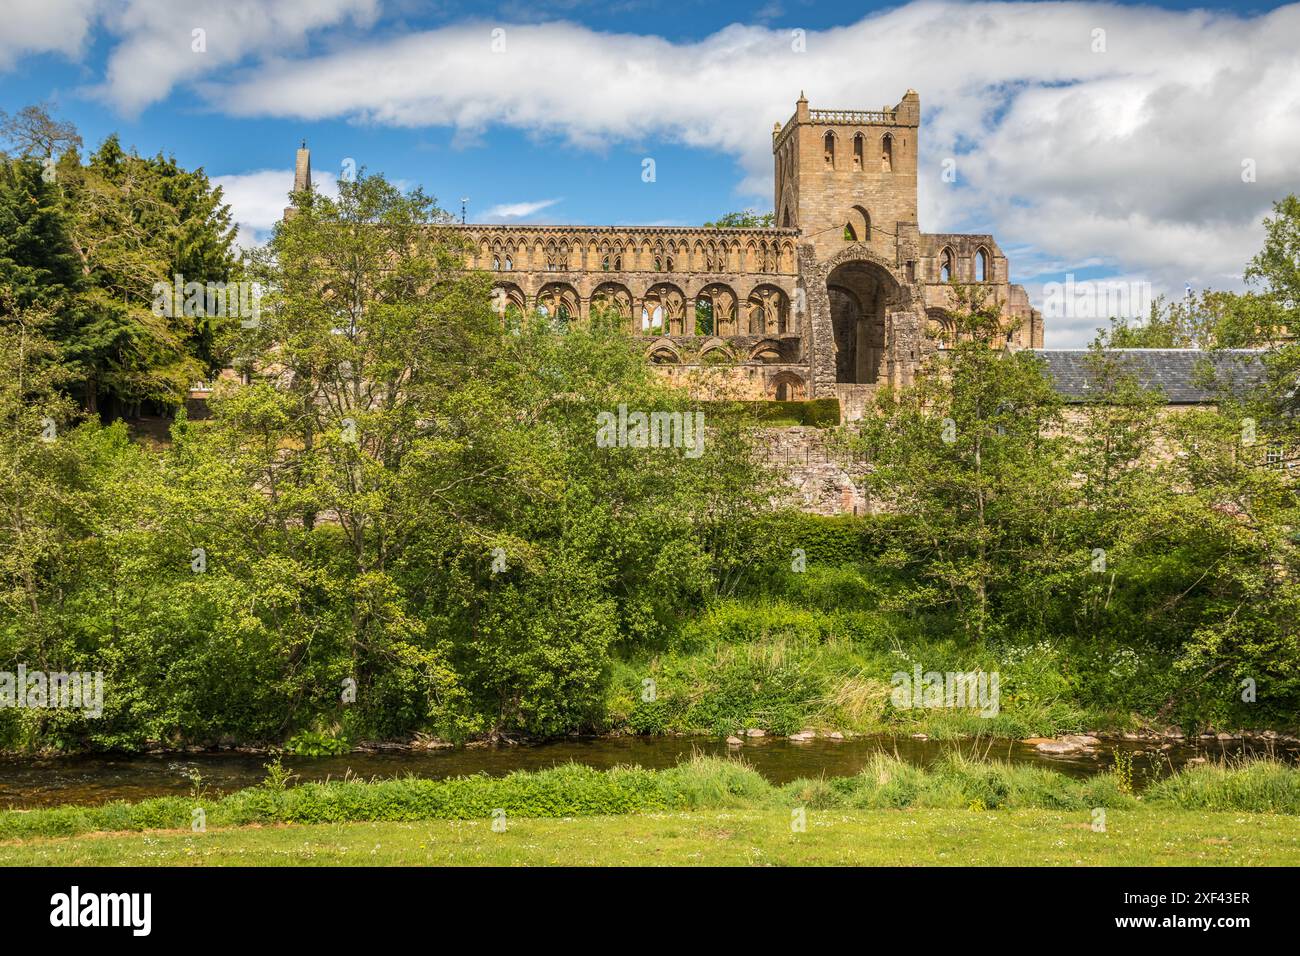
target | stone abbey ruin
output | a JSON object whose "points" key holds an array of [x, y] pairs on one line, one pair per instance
{"points": [[843, 293]]}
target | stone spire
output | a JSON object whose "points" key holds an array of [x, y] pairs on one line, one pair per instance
{"points": [[301, 175]]}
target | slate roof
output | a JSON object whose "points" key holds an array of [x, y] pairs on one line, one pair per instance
{"points": [[1179, 373]]}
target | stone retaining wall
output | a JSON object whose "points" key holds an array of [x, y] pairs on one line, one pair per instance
{"points": [[818, 477]]}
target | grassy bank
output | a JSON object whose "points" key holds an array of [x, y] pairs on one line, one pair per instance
{"points": [[819, 659], [713, 811], [819, 650], [702, 784]]}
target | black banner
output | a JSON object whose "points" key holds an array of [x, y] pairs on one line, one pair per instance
{"points": [[233, 905]]}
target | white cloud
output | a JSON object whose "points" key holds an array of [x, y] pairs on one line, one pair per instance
{"points": [[514, 211], [258, 199], [43, 26], [158, 41]]}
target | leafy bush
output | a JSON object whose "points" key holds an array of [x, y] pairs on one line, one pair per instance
{"points": [[316, 743]]}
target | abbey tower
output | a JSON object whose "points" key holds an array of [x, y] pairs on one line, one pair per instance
{"points": [[838, 170]]}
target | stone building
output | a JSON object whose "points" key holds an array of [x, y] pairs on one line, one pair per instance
{"points": [[845, 292]]}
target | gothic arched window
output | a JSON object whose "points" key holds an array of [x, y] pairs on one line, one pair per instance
{"points": [[557, 256]]}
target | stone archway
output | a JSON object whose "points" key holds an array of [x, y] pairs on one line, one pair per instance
{"points": [[864, 321], [860, 294], [785, 387]]}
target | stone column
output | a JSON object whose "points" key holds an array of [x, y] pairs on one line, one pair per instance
{"points": [[819, 335], [904, 331]]}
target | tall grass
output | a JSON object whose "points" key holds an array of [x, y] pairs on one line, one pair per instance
{"points": [[1259, 785], [957, 782], [811, 654]]}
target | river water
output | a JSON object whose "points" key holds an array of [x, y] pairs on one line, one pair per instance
{"points": [[33, 782]]}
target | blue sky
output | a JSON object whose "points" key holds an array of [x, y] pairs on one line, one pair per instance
{"points": [[1123, 162]]}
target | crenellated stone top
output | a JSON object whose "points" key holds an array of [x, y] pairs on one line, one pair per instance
{"points": [[854, 117], [906, 113], [885, 117]]}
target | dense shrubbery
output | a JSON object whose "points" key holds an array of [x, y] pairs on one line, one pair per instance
{"points": [[817, 412], [405, 523], [795, 661], [819, 648], [843, 540]]}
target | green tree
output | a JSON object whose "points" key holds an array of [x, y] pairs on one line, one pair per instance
{"points": [[1276, 267], [969, 458], [33, 414], [485, 528], [1208, 320], [1112, 443], [1275, 270], [135, 223], [1230, 518], [38, 264], [746, 219], [90, 241]]}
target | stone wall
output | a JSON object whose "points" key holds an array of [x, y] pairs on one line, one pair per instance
{"points": [[816, 476]]}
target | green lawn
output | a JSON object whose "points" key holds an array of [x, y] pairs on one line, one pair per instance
{"points": [[1146, 836]]}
